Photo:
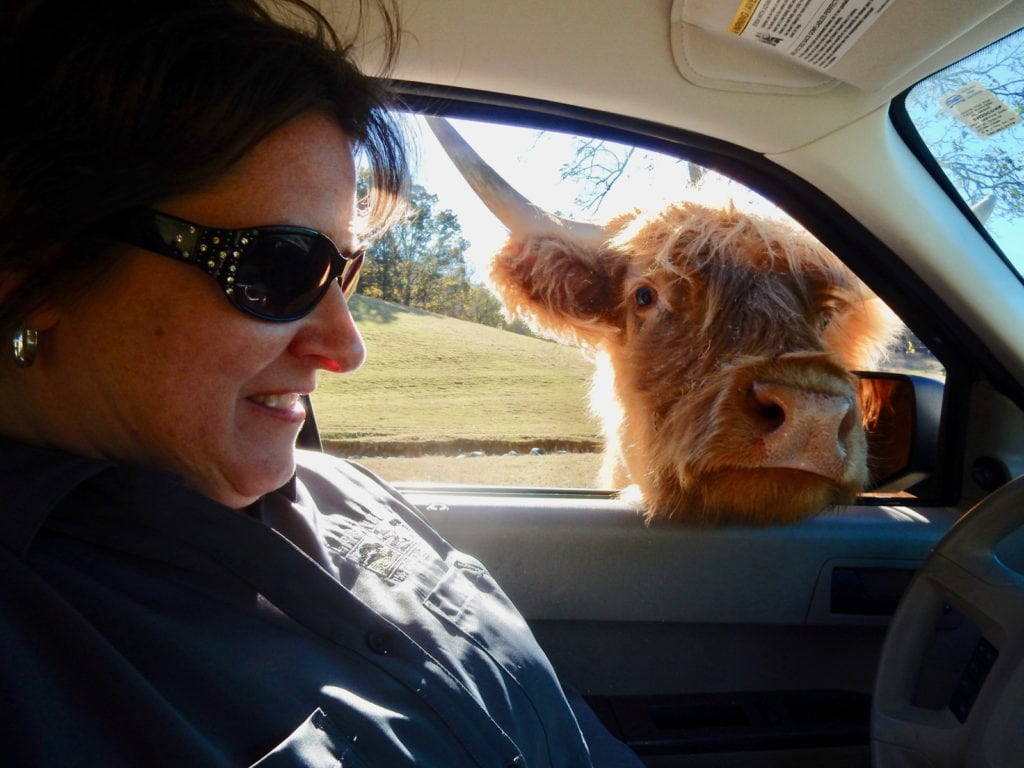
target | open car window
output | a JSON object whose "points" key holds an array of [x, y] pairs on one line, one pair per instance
{"points": [[968, 119], [454, 390]]}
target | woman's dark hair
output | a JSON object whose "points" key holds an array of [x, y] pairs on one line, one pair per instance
{"points": [[118, 103]]}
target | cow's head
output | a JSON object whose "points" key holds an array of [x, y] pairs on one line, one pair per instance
{"points": [[725, 344]]}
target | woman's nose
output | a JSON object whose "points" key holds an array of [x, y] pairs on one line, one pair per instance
{"points": [[329, 333]]}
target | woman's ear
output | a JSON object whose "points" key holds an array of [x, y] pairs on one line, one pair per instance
{"points": [[43, 317], [9, 282]]}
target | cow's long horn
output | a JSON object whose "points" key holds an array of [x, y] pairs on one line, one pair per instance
{"points": [[984, 207], [518, 214]]}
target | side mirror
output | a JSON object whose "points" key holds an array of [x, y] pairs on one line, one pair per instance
{"points": [[902, 425]]}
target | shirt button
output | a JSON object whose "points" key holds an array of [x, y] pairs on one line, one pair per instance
{"points": [[379, 642], [517, 762]]}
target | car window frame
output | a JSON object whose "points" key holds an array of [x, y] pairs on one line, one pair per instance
{"points": [[964, 356]]}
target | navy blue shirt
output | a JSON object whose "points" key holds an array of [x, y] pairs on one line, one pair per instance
{"points": [[144, 624]]}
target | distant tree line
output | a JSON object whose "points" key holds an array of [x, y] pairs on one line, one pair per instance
{"points": [[421, 262]]}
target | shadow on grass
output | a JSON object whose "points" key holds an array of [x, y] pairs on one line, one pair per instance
{"points": [[370, 310], [374, 311]]}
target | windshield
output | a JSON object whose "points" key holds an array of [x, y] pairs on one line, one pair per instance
{"points": [[968, 116]]}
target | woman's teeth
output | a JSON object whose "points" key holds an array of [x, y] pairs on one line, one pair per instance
{"points": [[282, 402]]}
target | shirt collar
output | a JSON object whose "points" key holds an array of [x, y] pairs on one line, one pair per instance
{"points": [[35, 479]]}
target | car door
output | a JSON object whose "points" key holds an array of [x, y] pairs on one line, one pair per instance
{"points": [[696, 644]]}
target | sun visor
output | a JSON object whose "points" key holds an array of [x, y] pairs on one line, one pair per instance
{"points": [[807, 46]]}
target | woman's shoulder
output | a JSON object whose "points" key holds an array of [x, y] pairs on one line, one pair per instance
{"points": [[33, 481], [336, 486], [329, 479], [317, 466]]}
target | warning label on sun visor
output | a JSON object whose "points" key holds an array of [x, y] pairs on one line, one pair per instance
{"points": [[814, 32], [980, 110]]}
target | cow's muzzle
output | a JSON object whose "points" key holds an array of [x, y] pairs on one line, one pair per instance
{"points": [[804, 429]]}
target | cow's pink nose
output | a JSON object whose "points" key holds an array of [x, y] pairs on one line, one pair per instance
{"points": [[803, 429]]}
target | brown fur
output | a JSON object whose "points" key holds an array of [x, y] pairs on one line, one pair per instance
{"points": [[738, 304]]}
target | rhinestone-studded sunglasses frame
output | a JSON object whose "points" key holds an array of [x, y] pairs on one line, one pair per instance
{"points": [[221, 253]]}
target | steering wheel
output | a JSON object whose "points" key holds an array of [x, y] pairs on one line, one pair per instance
{"points": [[983, 723]]}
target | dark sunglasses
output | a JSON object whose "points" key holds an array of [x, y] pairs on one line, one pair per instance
{"points": [[275, 273]]}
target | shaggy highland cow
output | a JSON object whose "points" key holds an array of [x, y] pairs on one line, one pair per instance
{"points": [[724, 345]]}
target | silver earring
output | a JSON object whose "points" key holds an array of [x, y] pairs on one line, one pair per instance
{"points": [[24, 345]]}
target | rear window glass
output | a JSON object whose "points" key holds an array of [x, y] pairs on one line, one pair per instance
{"points": [[969, 117]]}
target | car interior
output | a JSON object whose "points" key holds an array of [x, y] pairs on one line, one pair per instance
{"points": [[889, 632]]}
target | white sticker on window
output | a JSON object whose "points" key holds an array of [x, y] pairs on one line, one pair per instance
{"points": [[980, 110], [815, 32]]}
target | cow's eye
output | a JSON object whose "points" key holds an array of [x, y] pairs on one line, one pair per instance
{"points": [[828, 314], [645, 296]]}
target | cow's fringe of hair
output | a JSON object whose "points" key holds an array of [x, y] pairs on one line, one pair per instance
{"points": [[712, 238], [718, 235]]}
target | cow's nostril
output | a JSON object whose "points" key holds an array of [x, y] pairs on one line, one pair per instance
{"points": [[800, 428], [850, 420], [772, 414], [769, 405]]}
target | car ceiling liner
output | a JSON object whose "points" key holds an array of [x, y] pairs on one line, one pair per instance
{"points": [[810, 46]]}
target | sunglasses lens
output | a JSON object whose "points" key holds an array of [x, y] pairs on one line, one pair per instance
{"points": [[284, 275]]}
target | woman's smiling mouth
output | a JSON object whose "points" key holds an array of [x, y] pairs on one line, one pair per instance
{"points": [[289, 403]]}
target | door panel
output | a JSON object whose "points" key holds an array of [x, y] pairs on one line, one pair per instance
{"points": [[670, 618]]}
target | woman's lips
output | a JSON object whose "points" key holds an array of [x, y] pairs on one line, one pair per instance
{"points": [[284, 404]]}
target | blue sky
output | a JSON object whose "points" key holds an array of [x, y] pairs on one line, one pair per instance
{"points": [[531, 162]]}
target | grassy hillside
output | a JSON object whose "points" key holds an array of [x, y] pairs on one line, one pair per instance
{"points": [[431, 379]]}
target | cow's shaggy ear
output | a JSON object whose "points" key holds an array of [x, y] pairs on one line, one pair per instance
{"points": [[866, 334], [561, 288]]}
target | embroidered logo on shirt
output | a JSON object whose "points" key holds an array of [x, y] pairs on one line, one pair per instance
{"points": [[385, 547]]}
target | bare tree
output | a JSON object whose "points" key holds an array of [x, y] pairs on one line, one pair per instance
{"points": [[979, 168], [599, 165]]}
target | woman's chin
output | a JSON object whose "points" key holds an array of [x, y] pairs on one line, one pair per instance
{"points": [[244, 481]]}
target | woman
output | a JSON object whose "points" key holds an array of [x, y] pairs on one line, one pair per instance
{"points": [[178, 229]]}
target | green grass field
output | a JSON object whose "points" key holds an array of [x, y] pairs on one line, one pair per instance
{"points": [[431, 383], [433, 388], [552, 470]]}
